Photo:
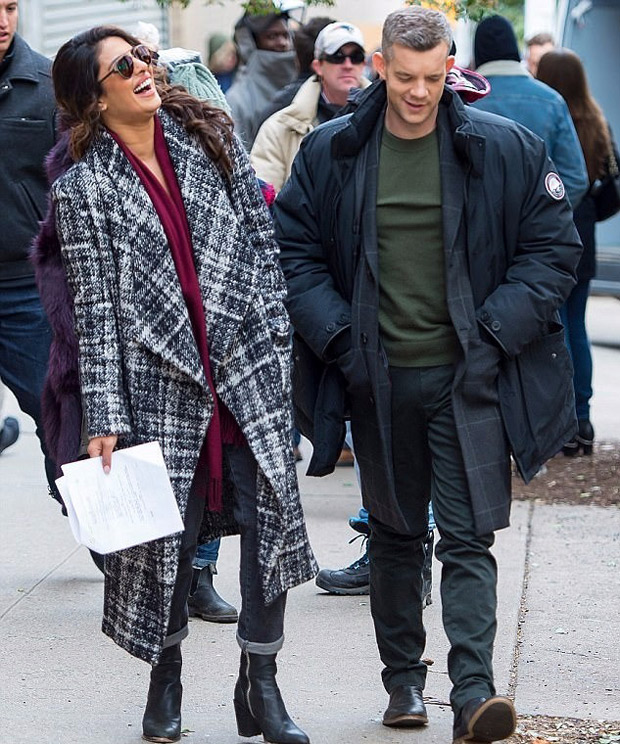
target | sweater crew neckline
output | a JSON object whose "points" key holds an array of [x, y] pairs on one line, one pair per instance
{"points": [[399, 144]]}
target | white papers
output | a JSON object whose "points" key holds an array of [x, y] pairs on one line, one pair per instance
{"points": [[133, 504]]}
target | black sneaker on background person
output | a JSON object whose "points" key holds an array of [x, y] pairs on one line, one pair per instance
{"points": [[353, 579], [361, 525], [9, 433]]}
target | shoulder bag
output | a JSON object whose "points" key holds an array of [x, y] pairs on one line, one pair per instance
{"points": [[606, 191]]}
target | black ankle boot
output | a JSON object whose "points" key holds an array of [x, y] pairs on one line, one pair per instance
{"points": [[583, 440], [258, 704], [205, 602], [162, 717]]}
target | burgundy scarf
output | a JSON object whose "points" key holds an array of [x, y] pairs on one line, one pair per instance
{"points": [[223, 428]]}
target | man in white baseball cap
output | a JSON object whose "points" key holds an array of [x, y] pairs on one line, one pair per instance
{"points": [[338, 65], [336, 35]]}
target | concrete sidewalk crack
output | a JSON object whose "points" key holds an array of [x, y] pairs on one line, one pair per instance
{"points": [[27, 592], [514, 671]]}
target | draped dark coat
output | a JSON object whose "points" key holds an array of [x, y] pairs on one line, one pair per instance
{"points": [[510, 251]]}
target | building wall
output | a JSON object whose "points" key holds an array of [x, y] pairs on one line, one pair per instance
{"points": [[47, 24]]}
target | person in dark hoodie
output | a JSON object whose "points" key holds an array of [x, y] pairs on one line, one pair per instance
{"points": [[303, 42], [267, 63]]}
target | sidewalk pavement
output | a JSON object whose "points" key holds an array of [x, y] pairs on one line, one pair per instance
{"points": [[557, 648]]}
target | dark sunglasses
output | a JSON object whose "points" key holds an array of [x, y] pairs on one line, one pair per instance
{"points": [[356, 57], [124, 65]]}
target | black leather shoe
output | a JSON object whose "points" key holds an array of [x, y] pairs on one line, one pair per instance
{"points": [[483, 720], [205, 602], [406, 708], [162, 717], [259, 707]]}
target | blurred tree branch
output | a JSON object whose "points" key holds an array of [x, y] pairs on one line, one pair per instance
{"points": [[252, 6], [476, 10]]}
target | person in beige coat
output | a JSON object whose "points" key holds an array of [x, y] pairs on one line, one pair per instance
{"points": [[338, 66]]}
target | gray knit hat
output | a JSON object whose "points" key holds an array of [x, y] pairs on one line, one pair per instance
{"points": [[200, 82]]}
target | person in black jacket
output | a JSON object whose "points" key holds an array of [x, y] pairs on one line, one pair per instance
{"points": [[427, 247], [27, 133]]}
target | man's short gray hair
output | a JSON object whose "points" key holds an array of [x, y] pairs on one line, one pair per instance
{"points": [[418, 28]]}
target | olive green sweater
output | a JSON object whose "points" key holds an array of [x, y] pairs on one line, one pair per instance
{"points": [[413, 314]]}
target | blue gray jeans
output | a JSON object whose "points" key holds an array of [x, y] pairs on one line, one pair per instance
{"points": [[261, 627], [25, 338]]}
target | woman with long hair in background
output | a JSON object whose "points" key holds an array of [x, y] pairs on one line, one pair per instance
{"points": [[562, 70]]}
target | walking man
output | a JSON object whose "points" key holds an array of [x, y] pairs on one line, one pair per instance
{"points": [[427, 246], [26, 135]]}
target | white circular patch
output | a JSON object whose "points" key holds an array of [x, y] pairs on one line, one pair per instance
{"points": [[555, 187]]}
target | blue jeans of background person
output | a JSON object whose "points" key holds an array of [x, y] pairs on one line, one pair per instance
{"points": [[25, 338], [573, 314], [207, 554], [296, 438], [362, 516]]}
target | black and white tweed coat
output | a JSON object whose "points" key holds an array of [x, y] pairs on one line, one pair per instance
{"points": [[140, 370]]}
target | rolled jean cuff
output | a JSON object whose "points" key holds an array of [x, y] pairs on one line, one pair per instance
{"points": [[174, 638], [262, 649]]}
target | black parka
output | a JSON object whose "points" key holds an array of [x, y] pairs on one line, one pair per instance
{"points": [[510, 254], [27, 134]]}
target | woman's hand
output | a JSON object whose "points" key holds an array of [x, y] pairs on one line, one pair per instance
{"points": [[103, 446]]}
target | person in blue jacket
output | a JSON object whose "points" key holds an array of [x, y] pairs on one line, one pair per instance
{"points": [[518, 96]]}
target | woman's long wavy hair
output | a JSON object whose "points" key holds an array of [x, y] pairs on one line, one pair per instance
{"points": [[562, 70], [76, 73]]}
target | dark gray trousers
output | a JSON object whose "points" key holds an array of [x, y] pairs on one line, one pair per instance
{"points": [[428, 462]]}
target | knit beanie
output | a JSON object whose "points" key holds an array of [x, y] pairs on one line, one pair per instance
{"points": [[495, 39], [200, 82]]}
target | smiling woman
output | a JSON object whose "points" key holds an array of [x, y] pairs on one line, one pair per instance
{"points": [[171, 267]]}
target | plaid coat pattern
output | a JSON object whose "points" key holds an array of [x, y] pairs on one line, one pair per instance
{"points": [[140, 370]]}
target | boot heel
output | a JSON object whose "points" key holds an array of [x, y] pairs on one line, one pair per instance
{"points": [[587, 449], [246, 725]]}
